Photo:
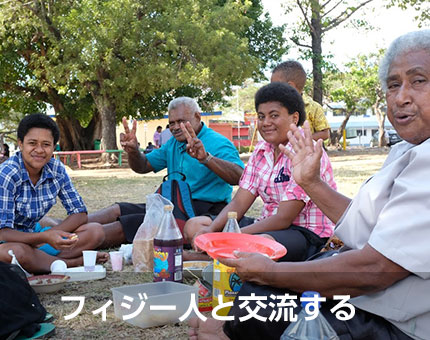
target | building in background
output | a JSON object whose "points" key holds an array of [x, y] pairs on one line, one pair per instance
{"points": [[360, 128]]}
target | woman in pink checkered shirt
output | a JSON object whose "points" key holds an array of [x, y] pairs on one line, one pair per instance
{"points": [[288, 215]]}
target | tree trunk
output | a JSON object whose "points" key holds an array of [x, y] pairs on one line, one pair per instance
{"points": [[335, 136], [74, 137], [380, 116], [316, 34], [108, 116]]}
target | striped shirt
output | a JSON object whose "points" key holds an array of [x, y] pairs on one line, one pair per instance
{"points": [[22, 204], [274, 183]]}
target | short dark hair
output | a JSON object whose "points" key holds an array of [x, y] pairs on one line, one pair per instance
{"points": [[292, 71], [284, 94], [37, 120]]}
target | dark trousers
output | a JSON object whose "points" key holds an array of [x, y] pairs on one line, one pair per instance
{"points": [[363, 326], [300, 242]]}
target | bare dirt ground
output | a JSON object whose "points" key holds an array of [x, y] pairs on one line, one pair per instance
{"points": [[100, 187]]}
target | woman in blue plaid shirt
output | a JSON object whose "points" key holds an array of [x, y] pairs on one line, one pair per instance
{"points": [[30, 182]]}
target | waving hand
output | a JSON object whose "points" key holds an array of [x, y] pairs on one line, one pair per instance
{"points": [[305, 156]]}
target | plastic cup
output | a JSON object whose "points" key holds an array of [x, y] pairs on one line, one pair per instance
{"points": [[89, 260], [116, 260]]}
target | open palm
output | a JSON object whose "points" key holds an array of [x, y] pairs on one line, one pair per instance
{"points": [[305, 155]]}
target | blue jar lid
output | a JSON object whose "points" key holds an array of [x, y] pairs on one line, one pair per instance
{"points": [[310, 294]]}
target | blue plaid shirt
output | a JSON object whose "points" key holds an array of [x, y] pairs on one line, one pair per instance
{"points": [[23, 204]]}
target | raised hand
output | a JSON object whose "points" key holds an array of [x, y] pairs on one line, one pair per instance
{"points": [[195, 147], [305, 157], [128, 139], [252, 267]]}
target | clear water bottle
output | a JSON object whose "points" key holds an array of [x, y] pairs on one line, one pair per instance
{"points": [[231, 226], [226, 282], [168, 249], [315, 329]]}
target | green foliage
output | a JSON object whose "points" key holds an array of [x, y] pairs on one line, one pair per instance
{"points": [[422, 7], [25, 65], [265, 41], [15, 104], [358, 86], [134, 51]]}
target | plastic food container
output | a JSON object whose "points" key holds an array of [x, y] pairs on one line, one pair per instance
{"points": [[193, 269], [166, 301]]}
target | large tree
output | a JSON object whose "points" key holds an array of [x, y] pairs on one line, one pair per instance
{"points": [[130, 57], [317, 18]]}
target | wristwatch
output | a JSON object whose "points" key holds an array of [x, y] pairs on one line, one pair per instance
{"points": [[207, 159]]}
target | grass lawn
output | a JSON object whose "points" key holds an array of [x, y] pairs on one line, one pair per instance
{"points": [[100, 188]]}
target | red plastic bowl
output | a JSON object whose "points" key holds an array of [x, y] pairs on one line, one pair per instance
{"points": [[224, 244]]}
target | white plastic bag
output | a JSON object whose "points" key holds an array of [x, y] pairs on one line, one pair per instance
{"points": [[127, 250], [143, 242]]}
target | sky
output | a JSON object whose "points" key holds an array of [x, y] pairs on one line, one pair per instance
{"points": [[345, 43]]}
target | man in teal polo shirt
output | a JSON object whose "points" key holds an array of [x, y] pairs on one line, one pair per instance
{"points": [[209, 161]]}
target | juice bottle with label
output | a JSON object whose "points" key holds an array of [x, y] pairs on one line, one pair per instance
{"points": [[226, 282], [168, 248]]}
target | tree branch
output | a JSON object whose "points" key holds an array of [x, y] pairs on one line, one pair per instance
{"points": [[325, 4], [343, 16], [43, 17], [306, 18], [36, 94], [333, 8], [296, 41]]}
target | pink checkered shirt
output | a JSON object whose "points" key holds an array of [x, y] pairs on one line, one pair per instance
{"points": [[274, 183]]}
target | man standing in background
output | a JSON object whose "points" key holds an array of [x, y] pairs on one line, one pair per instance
{"points": [[165, 135]]}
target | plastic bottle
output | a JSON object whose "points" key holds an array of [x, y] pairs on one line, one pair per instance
{"points": [[168, 249], [225, 280], [231, 226], [315, 329]]}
